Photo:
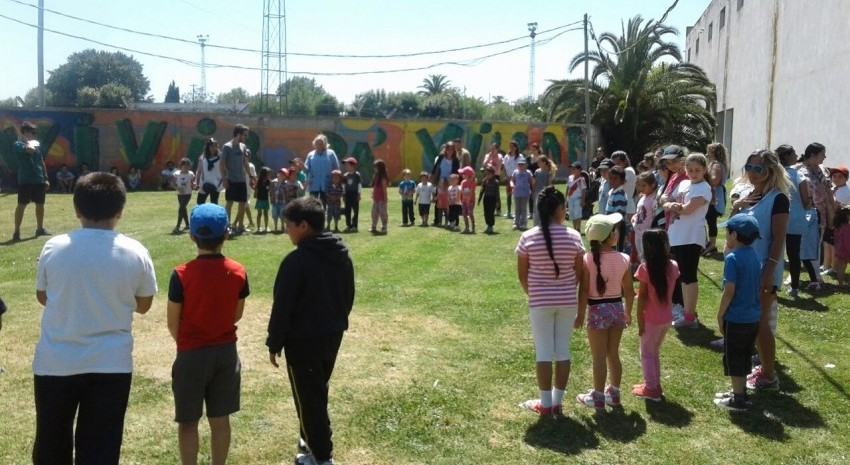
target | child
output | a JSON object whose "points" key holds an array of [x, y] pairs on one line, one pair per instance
{"points": [[490, 194], [292, 190], [183, 181], [521, 185], [250, 183], [494, 160], [166, 176], [90, 282], [604, 282], [510, 163], [642, 219], [277, 196], [617, 201], [206, 297], [424, 194], [380, 181], [739, 311], [353, 187], [334, 194], [441, 212], [455, 206], [657, 276], [467, 198], [842, 243], [840, 189], [134, 179], [576, 191], [261, 194], [544, 177], [65, 180], [549, 261], [308, 319], [406, 189]]}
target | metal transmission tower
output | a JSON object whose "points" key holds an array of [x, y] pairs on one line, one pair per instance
{"points": [[532, 29], [203, 38], [273, 55]]}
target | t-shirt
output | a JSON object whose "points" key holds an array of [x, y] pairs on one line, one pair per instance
{"points": [[672, 183], [183, 182], [252, 173], [379, 190], [209, 171], [575, 187], [209, 287], [629, 186], [742, 267], [233, 159], [545, 290], [467, 190], [65, 176], [92, 278], [494, 161], [522, 183], [490, 187], [616, 201], [319, 166], [276, 193], [604, 187], [454, 195], [352, 182], [842, 195], [425, 190], [291, 190], [541, 180], [30, 165], [407, 189], [263, 188], [642, 221], [510, 164], [689, 229], [335, 193], [614, 265], [658, 312]]}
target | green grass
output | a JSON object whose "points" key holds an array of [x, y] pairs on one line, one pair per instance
{"points": [[438, 356]]}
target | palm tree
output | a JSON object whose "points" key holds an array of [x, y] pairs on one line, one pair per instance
{"points": [[641, 93], [434, 84]]}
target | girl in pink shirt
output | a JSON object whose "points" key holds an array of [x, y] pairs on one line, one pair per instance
{"points": [[657, 276], [380, 181]]}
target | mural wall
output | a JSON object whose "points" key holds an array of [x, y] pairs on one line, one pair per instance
{"points": [[147, 140]]}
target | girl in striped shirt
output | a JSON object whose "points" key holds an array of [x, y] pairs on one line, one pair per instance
{"points": [[549, 264]]}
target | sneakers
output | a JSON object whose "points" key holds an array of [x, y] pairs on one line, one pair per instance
{"points": [[176, 230], [792, 292], [592, 399], [535, 406], [16, 237], [642, 392], [759, 382], [678, 311], [729, 401], [612, 396], [813, 286], [302, 447], [717, 343], [686, 321], [41, 232]]}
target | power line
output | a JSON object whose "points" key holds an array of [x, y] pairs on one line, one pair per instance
{"points": [[470, 62], [301, 54]]}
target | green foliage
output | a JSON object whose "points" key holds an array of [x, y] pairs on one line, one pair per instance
{"points": [[434, 84], [113, 95], [87, 96], [173, 93], [639, 98], [377, 103], [92, 68], [441, 105], [304, 97], [499, 111]]}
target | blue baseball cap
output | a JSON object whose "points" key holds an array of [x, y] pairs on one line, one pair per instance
{"points": [[743, 224], [208, 221]]}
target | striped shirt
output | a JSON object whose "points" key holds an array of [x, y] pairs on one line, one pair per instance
{"points": [[614, 266], [616, 201], [544, 289]]}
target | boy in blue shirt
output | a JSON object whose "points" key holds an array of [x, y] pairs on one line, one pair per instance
{"points": [[406, 189], [739, 312]]}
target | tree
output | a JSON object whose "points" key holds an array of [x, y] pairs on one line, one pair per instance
{"points": [[434, 84], [31, 97], [443, 105], [378, 103], [234, 96], [639, 99], [303, 97], [95, 69], [173, 94]]}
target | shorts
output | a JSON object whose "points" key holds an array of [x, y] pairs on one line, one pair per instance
{"points": [[211, 375], [687, 256], [236, 192], [34, 193], [467, 208], [424, 209], [606, 315], [277, 210], [552, 329], [334, 211], [738, 343], [575, 209], [261, 205]]}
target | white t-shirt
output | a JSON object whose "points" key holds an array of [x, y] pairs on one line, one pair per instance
{"points": [[629, 187], [576, 185], [183, 182], [212, 176], [842, 195], [425, 191], [92, 278], [510, 164], [689, 229]]}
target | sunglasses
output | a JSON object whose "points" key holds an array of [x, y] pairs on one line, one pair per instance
{"points": [[757, 169]]}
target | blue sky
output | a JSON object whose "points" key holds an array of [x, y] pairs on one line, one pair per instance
{"points": [[345, 27]]}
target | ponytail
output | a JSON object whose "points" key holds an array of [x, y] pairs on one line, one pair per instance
{"points": [[595, 247], [548, 202], [657, 259]]}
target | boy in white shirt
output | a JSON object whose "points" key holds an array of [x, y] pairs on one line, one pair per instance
{"points": [[424, 193], [839, 181]]}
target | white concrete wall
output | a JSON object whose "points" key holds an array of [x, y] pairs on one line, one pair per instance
{"points": [[811, 77]]}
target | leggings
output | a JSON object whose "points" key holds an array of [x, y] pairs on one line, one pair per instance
{"points": [[182, 212], [792, 247], [711, 216]]}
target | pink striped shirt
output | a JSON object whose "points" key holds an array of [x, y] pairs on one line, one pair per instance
{"points": [[614, 266], [544, 289]]}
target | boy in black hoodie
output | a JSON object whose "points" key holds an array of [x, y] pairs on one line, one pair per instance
{"points": [[313, 295]]}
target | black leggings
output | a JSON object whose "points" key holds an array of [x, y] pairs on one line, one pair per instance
{"points": [[711, 220], [182, 212], [687, 256], [792, 248]]}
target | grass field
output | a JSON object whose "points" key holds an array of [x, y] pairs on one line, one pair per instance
{"points": [[437, 358]]}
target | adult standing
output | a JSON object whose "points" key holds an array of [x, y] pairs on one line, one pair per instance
{"points": [[509, 162], [321, 161], [718, 173], [463, 154], [32, 179], [820, 190], [209, 180], [798, 224], [534, 154], [233, 172], [446, 163], [769, 204], [594, 164]]}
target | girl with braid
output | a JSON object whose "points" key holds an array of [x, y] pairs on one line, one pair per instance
{"points": [[549, 266], [606, 279]]}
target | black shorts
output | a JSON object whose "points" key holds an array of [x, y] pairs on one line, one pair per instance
{"points": [[424, 209], [31, 193], [211, 375], [738, 343], [687, 256], [236, 192]]}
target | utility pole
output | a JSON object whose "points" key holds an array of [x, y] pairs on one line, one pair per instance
{"points": [[532, 29], [203, 38], [193, 93], [41, 53], [586, 160]]}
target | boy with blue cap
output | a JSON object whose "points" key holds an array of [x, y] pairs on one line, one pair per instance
{"points": [[739, 312]]}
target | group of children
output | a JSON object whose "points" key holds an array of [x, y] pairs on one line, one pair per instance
{"points": [[83, 361]]}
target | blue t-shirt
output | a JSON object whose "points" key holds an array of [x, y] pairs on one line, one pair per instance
{"points": [[522, 184], [319, 166], [406, 188], [742, 267]]}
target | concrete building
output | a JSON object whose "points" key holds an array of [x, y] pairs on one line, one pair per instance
{"points": [[782, 70]]}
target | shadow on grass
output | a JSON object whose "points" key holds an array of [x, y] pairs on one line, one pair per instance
{"points": [[564, 435], [756, 422], [787, 383], [708, 279], [787, 410], [700, 336], [669, 413], [839, 387], [617, 425], [805, 304]]}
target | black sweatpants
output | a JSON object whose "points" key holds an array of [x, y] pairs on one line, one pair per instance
{"points": [[352, 210], [490, 210], [310, 363], [101, 399], [407, 212], [793, 243]]}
